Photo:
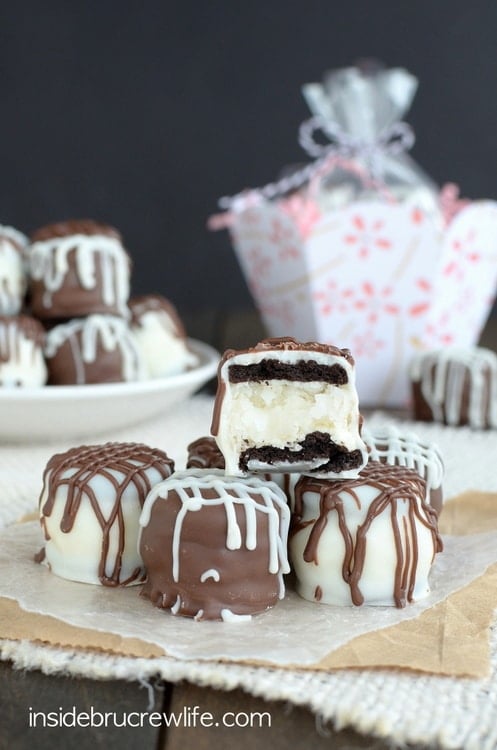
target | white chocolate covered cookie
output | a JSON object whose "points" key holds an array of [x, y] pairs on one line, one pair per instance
{"points": [[369, 540], [90, 507]]}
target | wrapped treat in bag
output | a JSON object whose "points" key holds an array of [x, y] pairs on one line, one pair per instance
{"points": [[360, 110], [359, 247]]}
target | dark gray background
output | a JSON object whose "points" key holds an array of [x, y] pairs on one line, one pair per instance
{"points": [[144, 113]]}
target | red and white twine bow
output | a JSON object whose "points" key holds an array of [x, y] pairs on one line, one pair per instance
{"points": [[342, 146], [392, 141]]}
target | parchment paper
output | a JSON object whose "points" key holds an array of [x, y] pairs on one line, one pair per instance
{"points": [[446, 633], [450, 638]]}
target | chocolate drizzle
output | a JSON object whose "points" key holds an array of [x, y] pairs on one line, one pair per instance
{"points": [[393, 484], [75, 470], [391, 446], [203, 453]]}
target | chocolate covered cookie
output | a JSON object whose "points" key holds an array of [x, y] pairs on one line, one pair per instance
{"points": [[392, 446], [90, 506], [96, 349], [214, 546], [369, 540], [13, 280], [78, 267], [160, 336], [455, 387], [21, 351]]}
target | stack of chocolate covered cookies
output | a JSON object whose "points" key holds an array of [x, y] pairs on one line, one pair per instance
{"points": [[364, 507], [72, 281], [21, 337], [288, 480]]}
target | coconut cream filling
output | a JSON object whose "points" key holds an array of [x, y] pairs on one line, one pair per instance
{"points": [[281, 414]]}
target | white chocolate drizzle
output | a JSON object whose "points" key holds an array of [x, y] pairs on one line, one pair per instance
{"points": [[49, 262], [230, 492], [14, 235], [12, 275], [211, 573], [393, 447], [176, 606], [84, 336], [21, 356], [228, 616], [442, 374]]}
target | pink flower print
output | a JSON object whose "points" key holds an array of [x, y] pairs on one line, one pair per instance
{"points": [[366, 345], [453, 269], [324, 303], [365, 237], [259, 266], [330, 298], [283, 311], [466, 299], [417, 215], [303, 211], [289, 252], [279, 234], [459, 246], [375, 302], [465, 253], [438, 332], [421, 307], [468, 307], [252, 216], [424, 284]]}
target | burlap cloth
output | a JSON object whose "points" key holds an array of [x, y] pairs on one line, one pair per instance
{"points": [[402, 705]]}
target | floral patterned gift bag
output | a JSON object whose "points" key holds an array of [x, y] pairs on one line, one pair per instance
{"points": [[359, 248]]}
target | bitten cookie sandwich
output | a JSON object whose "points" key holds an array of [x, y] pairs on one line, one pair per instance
{"points": [[288, 406]]}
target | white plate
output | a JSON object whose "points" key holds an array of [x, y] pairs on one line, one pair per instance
{"points": [[54, 412]]}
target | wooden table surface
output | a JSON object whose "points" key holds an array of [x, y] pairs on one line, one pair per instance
{"points": [[23, 693]]}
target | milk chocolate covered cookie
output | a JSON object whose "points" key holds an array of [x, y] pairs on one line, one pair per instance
{"points": [[456, 387], [214, 546], [78, 267], [96, 349]]}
